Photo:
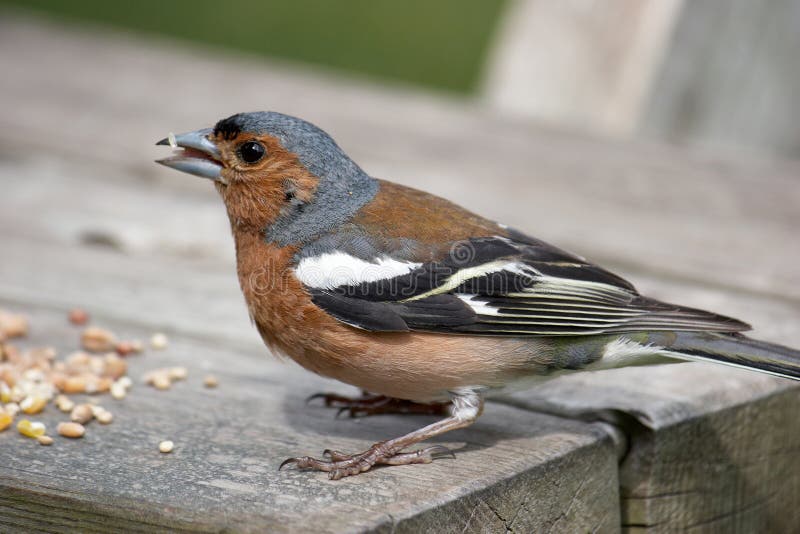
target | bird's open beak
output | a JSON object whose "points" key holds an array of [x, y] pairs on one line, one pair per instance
{"points": [[199, 156]]}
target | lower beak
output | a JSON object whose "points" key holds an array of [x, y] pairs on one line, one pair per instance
{"points": [[199, 156]]}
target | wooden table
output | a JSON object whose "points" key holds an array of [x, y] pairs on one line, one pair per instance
{"points": [[87, 220]]}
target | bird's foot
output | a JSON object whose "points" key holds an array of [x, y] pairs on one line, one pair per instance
{"points": [[342, 465], [370, 404]]}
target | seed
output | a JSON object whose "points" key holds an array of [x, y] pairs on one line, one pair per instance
{"points": [[210, 381], [64, 403], [118, 391], [114, 366], [74, 384], [159, 341], [33, 405], [161, 381], [78, 359], [71, 430], [45, 440], [178, 373], [5, 420], [104, 417], [82, 413], [137, 346], [125, 382], [166, 446], [96, 339], [31, 429], [124, 348], [13, 325], [78, 316], [12, 408]]}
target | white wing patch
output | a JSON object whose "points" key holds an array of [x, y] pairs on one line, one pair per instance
{"points": [[334, 269], [481, 308]]}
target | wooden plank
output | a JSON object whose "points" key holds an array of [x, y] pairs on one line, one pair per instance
{"points": [[635, 205], [664, 400], [588, 65], [161, 274], [734, 89], [516, 469]]}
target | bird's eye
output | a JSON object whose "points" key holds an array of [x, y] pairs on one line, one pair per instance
{"points": [[251, 151]]}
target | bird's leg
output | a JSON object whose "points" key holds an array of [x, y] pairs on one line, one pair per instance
{"points": [[466, 407], [371, 404]]}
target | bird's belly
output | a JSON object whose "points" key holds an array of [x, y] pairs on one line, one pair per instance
{"points": [[422, 367]]}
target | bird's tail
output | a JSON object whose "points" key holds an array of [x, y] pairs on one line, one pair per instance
{"points": [[733, 349]]}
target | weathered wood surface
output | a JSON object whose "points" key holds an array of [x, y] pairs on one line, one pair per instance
{"points": [[230, 440], [88, 220]]}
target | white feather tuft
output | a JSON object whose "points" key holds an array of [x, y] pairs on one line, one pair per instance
{"points": [[334, 269]]}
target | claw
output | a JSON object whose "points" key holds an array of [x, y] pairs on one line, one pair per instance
{"points": [[341, 410], [316, 396], [441, 450], [287, 462]]}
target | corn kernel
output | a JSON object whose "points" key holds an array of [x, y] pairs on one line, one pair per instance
{"points": [[5, 420], [31, 429], [33, 405], [45, 440], [166, 446]]}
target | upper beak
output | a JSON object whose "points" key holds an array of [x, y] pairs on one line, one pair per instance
{"points": [[199, 156]]}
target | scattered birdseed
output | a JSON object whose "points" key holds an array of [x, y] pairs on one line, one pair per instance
{"points": [[78, 317], [159, 341], [96, 339], [210, 381], [13, 325], [124, 348], [161, 381], [45, 440], [178, 373], [82, 413], [125, 381], [31, 429], [104, 417], [5, 420], [33, 405], [64, 403], [166, 446], [118, 391], [71, 430]]}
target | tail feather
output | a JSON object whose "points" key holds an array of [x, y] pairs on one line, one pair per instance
{"points": [[736, 350]]}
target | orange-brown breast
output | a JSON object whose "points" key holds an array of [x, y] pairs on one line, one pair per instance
{"points": [[411, 365]]}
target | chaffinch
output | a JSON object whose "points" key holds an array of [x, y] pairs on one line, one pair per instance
{"points": [[423, 304]]}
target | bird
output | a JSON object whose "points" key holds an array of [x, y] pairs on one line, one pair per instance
{"points": [[420, 303]]}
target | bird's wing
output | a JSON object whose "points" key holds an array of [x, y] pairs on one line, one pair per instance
{"points": [[494, 286]]}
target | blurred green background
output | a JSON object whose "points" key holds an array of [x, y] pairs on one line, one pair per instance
{"points": [[440, 44]]}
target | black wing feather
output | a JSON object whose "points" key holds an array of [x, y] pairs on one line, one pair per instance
{"points": [[510, 286]]}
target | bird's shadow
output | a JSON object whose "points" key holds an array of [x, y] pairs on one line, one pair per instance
{"points": [[498, 423]]}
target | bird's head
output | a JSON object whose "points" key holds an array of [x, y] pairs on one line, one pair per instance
{"points": [[277, 174]]}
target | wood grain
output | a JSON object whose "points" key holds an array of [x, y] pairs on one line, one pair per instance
{"points": [[230, 440], [88, 220]]}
